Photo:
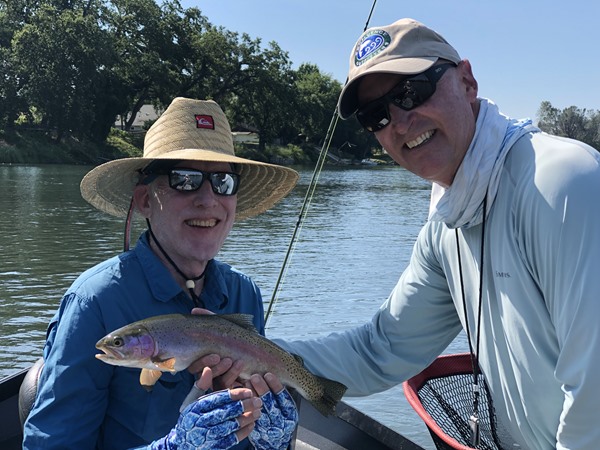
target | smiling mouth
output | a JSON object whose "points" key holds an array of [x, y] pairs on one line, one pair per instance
{"points": [[201, 223], [420, 140]]}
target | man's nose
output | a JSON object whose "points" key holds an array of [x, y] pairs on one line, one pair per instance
{"points": [[205, 195], [399, 118]]}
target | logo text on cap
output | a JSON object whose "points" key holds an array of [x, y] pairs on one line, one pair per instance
{"points": [[205, 121], [371, 44]]}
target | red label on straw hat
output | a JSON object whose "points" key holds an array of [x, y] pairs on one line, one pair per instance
{"points": [[205, 121]]}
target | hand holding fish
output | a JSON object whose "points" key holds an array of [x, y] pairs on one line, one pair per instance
{"points": [[275, 427], [173, 342], [225, 371], [215, 421]]}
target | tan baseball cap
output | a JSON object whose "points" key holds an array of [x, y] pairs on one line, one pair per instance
{"points": [[405, 47]]}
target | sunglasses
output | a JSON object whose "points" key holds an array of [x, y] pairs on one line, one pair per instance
{"points": [[189, 180], [408, 94]]}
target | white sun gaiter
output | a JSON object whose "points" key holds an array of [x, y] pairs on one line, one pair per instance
{"points": [[461, 204]]}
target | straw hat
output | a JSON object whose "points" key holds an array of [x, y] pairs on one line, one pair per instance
{"points": [[192, 130]]}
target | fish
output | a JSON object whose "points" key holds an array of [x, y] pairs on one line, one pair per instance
{"points": [[171, 342]]}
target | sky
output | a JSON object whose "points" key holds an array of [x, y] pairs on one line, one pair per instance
{"points": [[522, 52]]}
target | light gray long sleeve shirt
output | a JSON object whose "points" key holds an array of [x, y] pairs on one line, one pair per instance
{"points": [[540, 329]]}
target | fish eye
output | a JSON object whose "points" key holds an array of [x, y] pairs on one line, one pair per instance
{"points": [[118, 341]]}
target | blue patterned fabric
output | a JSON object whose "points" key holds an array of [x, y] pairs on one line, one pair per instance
{"points": [[275, 426], [207, 424]]}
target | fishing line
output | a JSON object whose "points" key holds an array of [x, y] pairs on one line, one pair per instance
{"points": [[309, 194]]}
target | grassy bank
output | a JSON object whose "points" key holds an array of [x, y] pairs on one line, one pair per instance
{"points": [[37, 147]]}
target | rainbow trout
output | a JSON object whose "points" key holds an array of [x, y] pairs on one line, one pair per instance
{"points": [[170, 343]]}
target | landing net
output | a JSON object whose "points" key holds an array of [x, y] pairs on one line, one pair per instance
{"points": [[442, 395]]}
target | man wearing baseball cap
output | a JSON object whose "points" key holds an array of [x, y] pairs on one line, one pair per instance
{"points": [[509, 254]]}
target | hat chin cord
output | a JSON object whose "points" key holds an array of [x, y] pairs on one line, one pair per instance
{"points": [[190, 282]]}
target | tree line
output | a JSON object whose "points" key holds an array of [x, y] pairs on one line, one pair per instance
{"points": [[73, 66], [572, 122]]}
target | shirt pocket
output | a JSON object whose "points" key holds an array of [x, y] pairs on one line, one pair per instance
{"points": [[149, 414]]}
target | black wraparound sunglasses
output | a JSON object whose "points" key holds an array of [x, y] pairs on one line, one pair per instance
{"points": [[189, 180], [408, 94]]}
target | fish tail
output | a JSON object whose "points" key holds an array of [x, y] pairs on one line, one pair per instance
{"points": [[332, 394]]}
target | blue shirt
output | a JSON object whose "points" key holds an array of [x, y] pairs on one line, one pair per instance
{"points": [[83, 403]]}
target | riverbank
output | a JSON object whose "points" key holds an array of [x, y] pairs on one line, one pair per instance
{"points": [[32, 146], [37, 147]]}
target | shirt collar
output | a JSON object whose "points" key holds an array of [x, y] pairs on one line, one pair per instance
{"points": [[158, 277], [215, 294]]}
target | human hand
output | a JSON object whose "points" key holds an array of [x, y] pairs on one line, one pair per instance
{"points": [[215, 421], [225, 371], [275, 426]]}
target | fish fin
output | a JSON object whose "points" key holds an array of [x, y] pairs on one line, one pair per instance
{"points": [[165, 365], [332, 394], [245, 321], [149, 377], [298, 358]]}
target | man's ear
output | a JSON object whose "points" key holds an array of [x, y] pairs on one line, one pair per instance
{"points": [[468, 79], [141, 199]]}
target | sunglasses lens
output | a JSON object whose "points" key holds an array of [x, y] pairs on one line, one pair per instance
{"points": [[185, 180], [408, 94], [414, 93], [224, 183], [374, 116]]}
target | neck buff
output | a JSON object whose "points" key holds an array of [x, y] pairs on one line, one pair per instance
{"points": [[461, 205]]}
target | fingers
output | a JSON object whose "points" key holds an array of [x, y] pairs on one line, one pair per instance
{"points": [[252, 410], [205, 381], [219, 366], [224, 372], [220, 419], [210, 360], [244, 432], [223, 367], [227, 378], [241, 394], [262, 385], [274, 384]]}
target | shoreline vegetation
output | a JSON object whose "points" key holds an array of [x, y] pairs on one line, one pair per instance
{"points": [[33, 146]]}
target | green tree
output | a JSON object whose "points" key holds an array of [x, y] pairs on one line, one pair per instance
{"points": [[62, 56], [268, 100], [317, 98], [11, 20], [571, 122], [77, 64], [147, 49]]}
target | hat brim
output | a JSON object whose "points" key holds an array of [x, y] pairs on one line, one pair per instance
{"points": [[348, 101], [109, 187]]}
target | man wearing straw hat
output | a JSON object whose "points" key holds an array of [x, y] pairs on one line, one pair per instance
{"points": [[190, 187]]}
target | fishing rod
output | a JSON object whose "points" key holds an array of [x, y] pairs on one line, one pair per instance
{"points": [[309, 193]]}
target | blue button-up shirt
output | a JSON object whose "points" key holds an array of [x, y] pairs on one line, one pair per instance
{"points": [[83, 403]]}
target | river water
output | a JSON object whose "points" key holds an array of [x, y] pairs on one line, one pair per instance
{"points": [[349, 254]]}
